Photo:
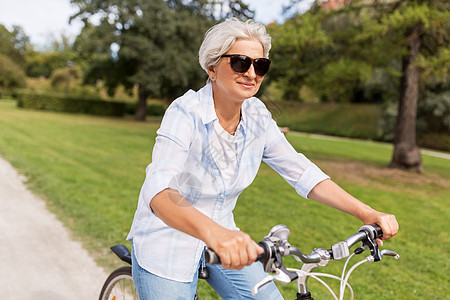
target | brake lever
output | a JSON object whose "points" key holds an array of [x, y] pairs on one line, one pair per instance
{"points": [[260, 284], [370, 242], [389, 253], [281, 276]]}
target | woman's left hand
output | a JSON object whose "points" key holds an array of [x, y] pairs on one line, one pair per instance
{"points": [[387, 222]]}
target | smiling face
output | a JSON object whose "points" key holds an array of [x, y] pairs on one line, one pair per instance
{"points": [[232, 86]]}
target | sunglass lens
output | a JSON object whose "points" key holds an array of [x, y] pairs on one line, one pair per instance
{"points": [[261, 66], [240, 63]]}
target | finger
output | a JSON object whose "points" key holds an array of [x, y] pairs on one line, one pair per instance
{"points": [[243, 257], [379, 242], [252, 253], [386, 231], [225, 259], [236, 254], [392, 224], [385, 224], [259, 249], [395, 225]]}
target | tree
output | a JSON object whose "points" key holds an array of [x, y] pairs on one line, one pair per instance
{"points": [[14, 44], [297, 50], [383, 34], [151, 44], [316, 49], [55, 55], [419, 31]]}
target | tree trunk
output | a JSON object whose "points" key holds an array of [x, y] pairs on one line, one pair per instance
{"points": [[406, 152], [141, 110]]}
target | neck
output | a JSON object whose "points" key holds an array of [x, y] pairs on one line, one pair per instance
{"points": [[228, 113]]}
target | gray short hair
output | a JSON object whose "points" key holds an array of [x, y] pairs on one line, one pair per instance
{"points": [[221, 37]]}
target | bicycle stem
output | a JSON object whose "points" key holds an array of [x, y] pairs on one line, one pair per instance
{"points": [[324, 257], [307, 259]]}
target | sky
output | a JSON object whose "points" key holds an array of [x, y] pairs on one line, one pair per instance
{"points": [[43, 20]]}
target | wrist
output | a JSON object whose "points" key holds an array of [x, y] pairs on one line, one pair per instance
{"points": [[366, 214], [211, 234]]}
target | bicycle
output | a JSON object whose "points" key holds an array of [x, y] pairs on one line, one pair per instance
{"points": [[276, 246]]}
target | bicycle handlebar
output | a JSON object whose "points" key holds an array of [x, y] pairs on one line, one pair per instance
{"points": [[275, 246]]}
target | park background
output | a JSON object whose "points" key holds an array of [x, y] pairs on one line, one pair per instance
{"points": [[339, 68]]}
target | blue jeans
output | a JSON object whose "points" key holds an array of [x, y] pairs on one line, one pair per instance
{"points": [[229, 284]]}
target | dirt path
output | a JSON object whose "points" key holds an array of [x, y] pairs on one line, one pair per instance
{"points": [[39, 259]]}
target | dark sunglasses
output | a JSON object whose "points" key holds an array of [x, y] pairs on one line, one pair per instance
{"points": [[241, 63]]}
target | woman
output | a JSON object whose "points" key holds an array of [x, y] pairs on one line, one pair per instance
{"points": [[208, 150]]}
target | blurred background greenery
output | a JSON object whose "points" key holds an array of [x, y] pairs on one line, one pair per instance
{"points": [[370, 70], [366, 69]]}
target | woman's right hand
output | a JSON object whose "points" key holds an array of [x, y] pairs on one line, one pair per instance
{"points": [[235, 248]]}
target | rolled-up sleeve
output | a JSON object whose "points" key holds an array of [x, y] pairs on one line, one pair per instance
{"points": [[294, 167], [169, 153]]}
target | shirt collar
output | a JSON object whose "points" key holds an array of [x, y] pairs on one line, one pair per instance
{"points": [[207, 104]]}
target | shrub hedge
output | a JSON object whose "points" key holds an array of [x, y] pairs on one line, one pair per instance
{"points": [[153, 109], [71, 104]]}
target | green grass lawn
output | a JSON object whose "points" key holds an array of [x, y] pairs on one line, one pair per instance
{"points": [[90, 169], [359, 121]]}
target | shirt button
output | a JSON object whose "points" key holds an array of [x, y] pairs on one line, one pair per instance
{"points": [[221, 196]]}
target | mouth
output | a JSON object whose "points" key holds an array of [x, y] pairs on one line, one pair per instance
{"points": [[247, 85]]}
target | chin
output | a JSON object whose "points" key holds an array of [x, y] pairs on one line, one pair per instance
{"points": [[249, 93]]}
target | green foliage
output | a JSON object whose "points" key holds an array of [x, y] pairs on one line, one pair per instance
{"points": [[153, 109], [386, 123], [435, 109], [435, 68], [71, 104], [11, 74], [297, 48], [334, 52], [14, 44], [64, 76], [433, 120], [56, 55], [336, 78], [150, 43]]}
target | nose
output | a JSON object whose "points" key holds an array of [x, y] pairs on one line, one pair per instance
{"points": [[250, 72]]}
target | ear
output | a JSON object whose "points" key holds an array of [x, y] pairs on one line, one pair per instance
{"points": [[212, 73]]}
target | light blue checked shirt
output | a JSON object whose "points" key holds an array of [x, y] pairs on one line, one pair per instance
{"points": [[184, 159]]}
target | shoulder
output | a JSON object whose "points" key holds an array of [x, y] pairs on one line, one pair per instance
{"points": [[255, 107], [186, 102]]}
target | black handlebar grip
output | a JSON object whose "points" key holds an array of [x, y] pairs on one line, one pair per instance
{"points": [[378, 231], [211, 257]]}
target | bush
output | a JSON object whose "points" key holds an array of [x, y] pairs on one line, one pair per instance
{"points": [[61, 78], [62, 103], [432, 123], [435, 110], [11, 75], [153, 109]]}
